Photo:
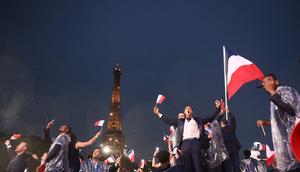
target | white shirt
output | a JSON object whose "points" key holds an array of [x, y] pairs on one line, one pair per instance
{"points": [[190, 129]]}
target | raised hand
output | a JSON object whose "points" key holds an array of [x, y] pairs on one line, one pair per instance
{"points": [[50, 124], [156, 110], [218, 104], [259, 123], [34, 156]]}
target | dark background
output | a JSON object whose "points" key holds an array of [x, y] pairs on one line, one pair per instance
{"points": [[57, 57]]}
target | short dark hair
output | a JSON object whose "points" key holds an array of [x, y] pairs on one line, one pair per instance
{"points": [[246, 153], [272, 75], [163, 156]]}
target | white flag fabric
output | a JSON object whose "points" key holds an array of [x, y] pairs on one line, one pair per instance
{"points": [[15, 136], [99, 123], [110, 160], [239, 72], [160, 99]]}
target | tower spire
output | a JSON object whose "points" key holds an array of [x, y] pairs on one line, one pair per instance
{"points": [[113, 139]]}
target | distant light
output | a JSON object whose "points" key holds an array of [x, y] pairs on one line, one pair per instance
{"points": [[110, 139], [111, 114], [101, 145], [106, 149], [116, 140]]}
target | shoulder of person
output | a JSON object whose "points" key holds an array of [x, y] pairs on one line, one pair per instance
{"points": [[64, 137], [198, 118], [283, 89]]}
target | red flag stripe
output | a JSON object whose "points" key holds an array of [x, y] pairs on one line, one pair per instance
{"points": [[15, 136], [242, 75]]}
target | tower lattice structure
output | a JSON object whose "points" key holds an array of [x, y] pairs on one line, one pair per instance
{"points": [[113, 138]]}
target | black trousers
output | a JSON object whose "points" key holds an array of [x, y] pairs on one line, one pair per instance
{"points": [[193, 160], [235, 161]]}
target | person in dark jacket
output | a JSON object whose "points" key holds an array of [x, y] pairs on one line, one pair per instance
{"points": [[190, 138], [228, 129], [19, 157]]}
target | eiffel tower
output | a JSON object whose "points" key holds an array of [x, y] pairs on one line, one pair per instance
{"points": [[113, 139]]}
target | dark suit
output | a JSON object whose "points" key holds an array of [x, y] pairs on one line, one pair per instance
{"points": [[231, 142], [190, 148]]}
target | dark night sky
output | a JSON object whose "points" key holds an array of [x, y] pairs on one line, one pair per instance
{"points": [[56, 61]]}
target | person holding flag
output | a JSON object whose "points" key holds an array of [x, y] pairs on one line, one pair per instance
{"points": [[228, 129], [160, 99], [94, 164], [18, 157], [285, 111], [74, 145], [190, 137]]}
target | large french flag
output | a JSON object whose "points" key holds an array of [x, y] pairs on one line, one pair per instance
{"points": [[239, 72]]}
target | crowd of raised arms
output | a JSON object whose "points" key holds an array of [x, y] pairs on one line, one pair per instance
{"points": [[195, 144]]}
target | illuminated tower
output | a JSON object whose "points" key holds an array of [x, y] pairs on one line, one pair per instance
{"points": [[113, 140]]}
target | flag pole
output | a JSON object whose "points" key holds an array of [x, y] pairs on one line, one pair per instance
{"points": [[263, 129], [225, 81]]}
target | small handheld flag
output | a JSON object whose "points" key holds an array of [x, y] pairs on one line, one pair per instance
{"points": [[130, 155], [160, 99], [166, 138], [110, 160], [15, 136], [100, 123], [142, 163]]}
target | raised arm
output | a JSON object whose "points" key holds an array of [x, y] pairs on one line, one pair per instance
{"points": [[47, 137], [164, 118], [10, 150], [231, 126], [215, 115], [286, 107], [154, 164], [80, 145]]}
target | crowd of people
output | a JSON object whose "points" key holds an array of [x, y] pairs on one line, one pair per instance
{"points": [[198, 143], [210, 143]]}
